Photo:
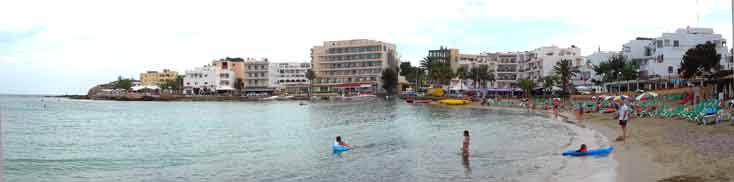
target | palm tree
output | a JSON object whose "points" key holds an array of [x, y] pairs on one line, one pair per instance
{"points": [[488, 76], [565, 71], [462, 73], [310, 75]]}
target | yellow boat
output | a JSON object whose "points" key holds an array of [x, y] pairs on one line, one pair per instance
{"points": [[454, 102]]}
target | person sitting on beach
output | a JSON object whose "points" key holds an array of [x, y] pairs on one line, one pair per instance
{"points": [[583, 149], [465, 144], [340, 142]]}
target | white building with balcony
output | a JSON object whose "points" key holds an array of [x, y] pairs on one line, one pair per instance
{"points": [[669, 49], [208, 79], [289, 77]]}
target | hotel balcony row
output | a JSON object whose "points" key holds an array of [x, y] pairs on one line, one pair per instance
{"points": [[350, 68], [345, 80], [337, 74]]}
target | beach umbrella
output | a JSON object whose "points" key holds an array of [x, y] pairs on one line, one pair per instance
{"points": [[621, 97], [653, 94], [646, 95]]}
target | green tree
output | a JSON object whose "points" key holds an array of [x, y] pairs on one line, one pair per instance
{"points": [[389, 80], [123, 83], [565, 71], [405, 68], [610, 70], [437, 72], [489, 76], [176, 84], [462, 73], [310, 75], [527, 87], [549, 81], [700, 60], [236, 59]]}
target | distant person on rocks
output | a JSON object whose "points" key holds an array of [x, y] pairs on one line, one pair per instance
{"points": [[465, 144]]}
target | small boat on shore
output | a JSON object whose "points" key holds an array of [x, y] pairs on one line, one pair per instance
{"points": [[426, 101], [269, 98], [454, 101], [357, 97], [284, 98]]}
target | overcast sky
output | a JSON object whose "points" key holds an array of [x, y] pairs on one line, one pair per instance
{"points": [[58, 47]]}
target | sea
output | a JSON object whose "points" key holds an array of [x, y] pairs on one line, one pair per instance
{"points": [[65, 140]]}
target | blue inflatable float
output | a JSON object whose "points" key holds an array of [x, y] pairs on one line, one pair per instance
{"points": [[339, 149], [593, 152]]}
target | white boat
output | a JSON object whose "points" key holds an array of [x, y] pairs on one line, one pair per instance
{"points": [[270, 98], [357, 97], [285, 97]]}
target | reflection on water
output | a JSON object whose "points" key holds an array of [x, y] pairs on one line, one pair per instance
{"points": [[282, 141], [467, 166]]}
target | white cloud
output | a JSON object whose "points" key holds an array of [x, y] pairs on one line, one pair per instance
{"points": [[94, 41]]}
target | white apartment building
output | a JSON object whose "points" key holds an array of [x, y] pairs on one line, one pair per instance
{"points": [[507, 69], [208, 79], [289, 77], [352, 65], [550, 55], [257, 76], [669, 48]]}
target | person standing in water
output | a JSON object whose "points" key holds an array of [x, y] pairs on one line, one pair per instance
{"points": [[465, 154], [340, 142], [465, 144]]}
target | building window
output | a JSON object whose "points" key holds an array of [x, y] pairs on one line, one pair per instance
{"points": [[675, 43], [659, 43]]}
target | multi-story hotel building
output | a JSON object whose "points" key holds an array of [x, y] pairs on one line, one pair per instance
{"points": [[157, 78], [352, 65], [257, 76], [289, 77], [445, 55]]}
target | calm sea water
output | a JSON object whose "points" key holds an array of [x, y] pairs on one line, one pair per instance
{"points": [[49, 139]]}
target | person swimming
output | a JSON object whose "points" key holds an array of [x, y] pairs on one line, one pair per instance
{"points": [[340, 142], [583, 149], [465, 144]]}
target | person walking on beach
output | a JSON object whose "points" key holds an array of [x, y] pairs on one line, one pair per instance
{"points": [[623, 118], [465, 144]]}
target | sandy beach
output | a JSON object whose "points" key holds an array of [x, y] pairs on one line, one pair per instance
{"points": [[669, 149], [662, 149]]}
